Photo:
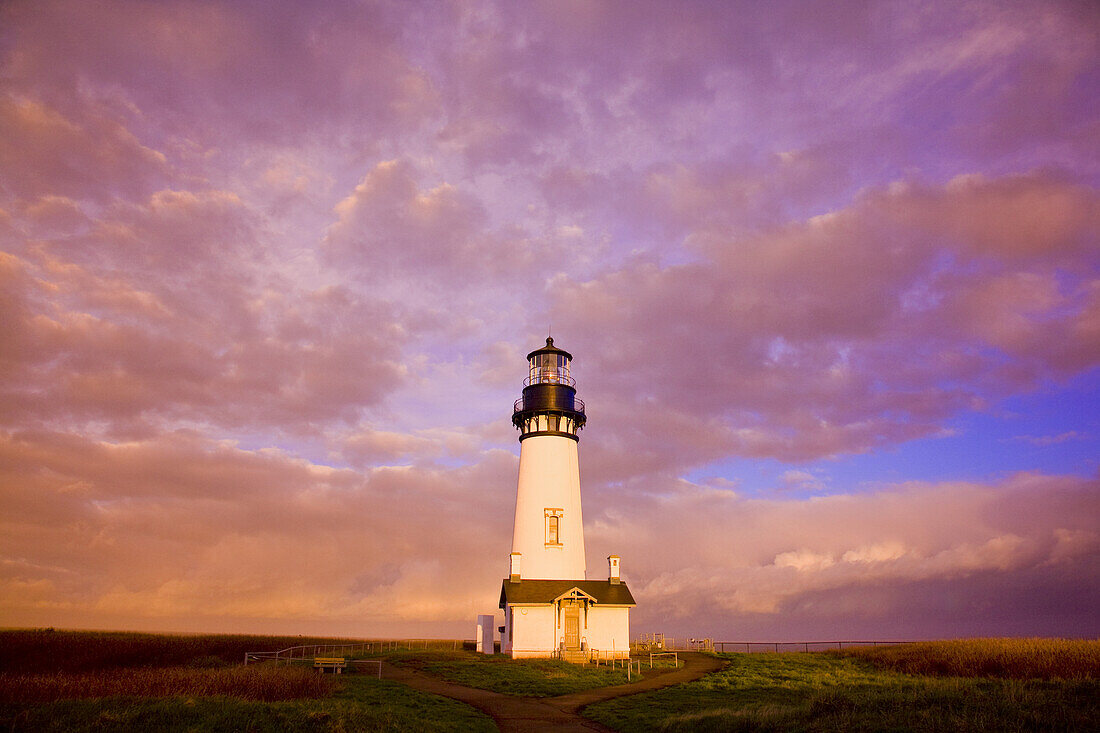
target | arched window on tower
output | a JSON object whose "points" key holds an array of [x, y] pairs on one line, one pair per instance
{"points": [[553, 527]]}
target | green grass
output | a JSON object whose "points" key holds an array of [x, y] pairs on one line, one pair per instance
{"points": [[362, 704], [521, 677], [831, 692]]}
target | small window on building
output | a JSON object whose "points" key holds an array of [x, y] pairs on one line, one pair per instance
{"points": [[553, 527]]}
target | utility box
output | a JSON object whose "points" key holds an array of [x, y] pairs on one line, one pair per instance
{"points": [[486, 626]]}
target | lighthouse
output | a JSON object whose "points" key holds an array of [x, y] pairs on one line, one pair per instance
{"points": [[548, 533], [550, 607]]}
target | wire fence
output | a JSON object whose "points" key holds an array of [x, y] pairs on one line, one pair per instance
{"points": [[750, 647], [660, 642]]}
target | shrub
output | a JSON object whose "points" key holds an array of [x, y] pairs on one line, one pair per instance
{"points": [[255, 682], [46, 650], [1006, 658]]}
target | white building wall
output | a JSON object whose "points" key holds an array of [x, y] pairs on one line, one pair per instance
{"points": [[608, 630], [536, 633], [533, 631], [549, 478]]}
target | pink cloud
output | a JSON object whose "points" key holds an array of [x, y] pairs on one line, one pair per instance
{"points": [[389, 222], [178, 525], [848, 331], [103, 349], [226, 76], [801, 480], [752, 559], [147, 533], [300, 235], [46, 153], [394, 227], [1042, 440]]}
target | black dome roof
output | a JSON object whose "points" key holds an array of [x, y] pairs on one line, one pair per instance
{"points": [[550, 349]]}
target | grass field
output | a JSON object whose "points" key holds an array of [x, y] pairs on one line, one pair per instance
{"points": [[523, 677], [46, 650], [85, 681], [77, 681], [1008, 658], [862, 689], [257, 682], [361, 703]]}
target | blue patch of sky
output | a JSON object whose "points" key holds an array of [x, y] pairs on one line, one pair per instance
{"points": [[1054, 430]]}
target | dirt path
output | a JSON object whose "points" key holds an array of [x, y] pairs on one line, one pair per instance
{"points": [[521, 714]]}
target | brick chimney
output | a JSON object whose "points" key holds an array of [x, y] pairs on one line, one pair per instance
{"points": [[613, 569]]}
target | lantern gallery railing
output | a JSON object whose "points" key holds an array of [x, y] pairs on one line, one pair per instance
{"points": [[578, 405]]}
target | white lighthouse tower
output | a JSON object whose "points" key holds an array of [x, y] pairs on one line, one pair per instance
{"points": [[548, 532], [550, 608]]}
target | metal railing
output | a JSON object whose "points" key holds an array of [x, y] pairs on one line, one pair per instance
{"points": [[307, 652], [612, 657]]}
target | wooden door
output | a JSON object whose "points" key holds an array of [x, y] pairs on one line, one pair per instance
{"points": [[572, 627]]}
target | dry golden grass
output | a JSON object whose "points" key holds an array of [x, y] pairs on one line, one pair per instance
{"points": [[94, 681], [255, 682], [1006, 658], [46, 650]]}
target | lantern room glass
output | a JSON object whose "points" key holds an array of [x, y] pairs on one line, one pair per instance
{"points": [[549, 369]]}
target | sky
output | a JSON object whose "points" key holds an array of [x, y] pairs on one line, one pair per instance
{"points": [[830, 273]]}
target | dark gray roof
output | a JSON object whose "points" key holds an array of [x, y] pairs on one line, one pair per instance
{"points": [[545, 591]]}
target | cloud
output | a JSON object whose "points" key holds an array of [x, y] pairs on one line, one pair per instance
{"points": [[391, 226], [149, 532], [265, 285], [177, 525], [863, 327], [1045, 440], [125, 350], [366, 447], [318, 67], [743, 558], [801, 480], [46, 153], [389, 222]]}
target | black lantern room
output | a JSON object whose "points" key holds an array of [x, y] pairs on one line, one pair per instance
{"points": [[549, 405]]}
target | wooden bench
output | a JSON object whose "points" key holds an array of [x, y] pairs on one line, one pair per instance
{"points": [[336, 664]]}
